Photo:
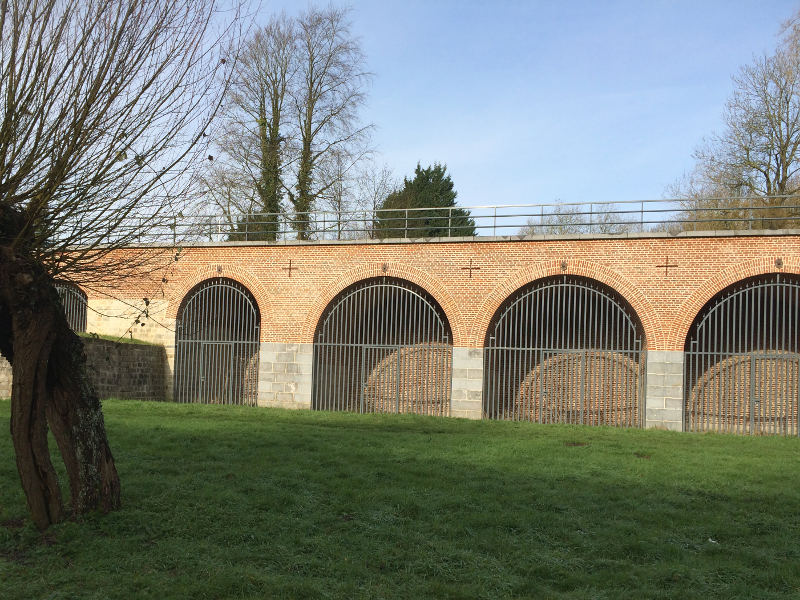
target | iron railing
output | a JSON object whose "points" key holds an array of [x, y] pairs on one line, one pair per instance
{"points": [[217, 345], [742, 360], [74, 301], [564, 350], [579, 218], [383, 345]]}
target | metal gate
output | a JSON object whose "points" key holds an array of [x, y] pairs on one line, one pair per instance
{"points": [[73, 299], [383, 345], [565, 350], [742, 361], [216, 345]]}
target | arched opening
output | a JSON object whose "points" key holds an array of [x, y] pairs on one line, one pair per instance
{"points": [[742, 359], [216, 344], [383, 345], [74, 301], [565, 349]]}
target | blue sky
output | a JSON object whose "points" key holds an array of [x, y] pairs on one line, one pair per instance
{"points": [[536, 102]]}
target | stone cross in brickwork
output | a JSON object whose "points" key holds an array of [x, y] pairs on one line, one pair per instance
{"points": [[470, 268], [666, 266], [289, 268]]}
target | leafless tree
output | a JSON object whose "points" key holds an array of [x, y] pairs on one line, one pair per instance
{"points": [[566, 219], [105, 105], [373, 184], [249, 178], [291, 126], [755, 160], [329, 92], [337, 203]]}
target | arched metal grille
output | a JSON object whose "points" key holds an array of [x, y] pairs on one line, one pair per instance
{"points": [[216, 345], [383, 345], [74, 301], [742, 359], [565, 350]]}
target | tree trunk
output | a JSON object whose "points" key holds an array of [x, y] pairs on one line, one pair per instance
{"points": [[50, 385], [76, 420], [32, 336]]}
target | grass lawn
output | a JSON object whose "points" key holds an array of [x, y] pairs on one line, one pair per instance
{"points": [[257, 503]]}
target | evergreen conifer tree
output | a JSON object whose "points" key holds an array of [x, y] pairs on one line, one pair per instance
{"points": [[424, 207]]}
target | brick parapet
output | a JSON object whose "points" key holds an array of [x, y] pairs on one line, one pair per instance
{"points": [[291, 302]]}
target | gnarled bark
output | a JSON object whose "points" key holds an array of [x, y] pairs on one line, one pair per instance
{"points": [[31, 341], [76, 420], [50, 385]]}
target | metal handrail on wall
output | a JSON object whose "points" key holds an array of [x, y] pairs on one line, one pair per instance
{"points": [[593, 218]]}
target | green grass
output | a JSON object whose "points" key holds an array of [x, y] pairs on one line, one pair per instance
{"points": [[259, 503], [115, 338]]}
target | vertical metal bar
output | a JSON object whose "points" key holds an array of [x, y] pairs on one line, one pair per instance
{"points": [[609, 326], [397, 378], [449, 222], [759, 340], [519, 359], [794, 415], [591, 323]]}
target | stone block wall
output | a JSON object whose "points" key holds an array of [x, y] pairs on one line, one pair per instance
{"points": [[117, 370], [284, 375], [467, 394], [664, 389]]}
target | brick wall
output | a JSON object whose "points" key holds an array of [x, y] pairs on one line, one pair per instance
{"points": [[290, 305], [117, 370], [291, 301]]}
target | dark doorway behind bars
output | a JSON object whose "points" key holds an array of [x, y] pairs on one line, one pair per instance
{"points": [[383, 345], [74, 301], [216, 345], [742, 359], [565, 349]]}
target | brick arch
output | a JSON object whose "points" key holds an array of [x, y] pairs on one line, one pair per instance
{"points": [[401, 271], [653, 331], [234, 272], [686, 314]]}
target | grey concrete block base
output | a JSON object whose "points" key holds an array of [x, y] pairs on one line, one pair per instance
{"points": [[284, 375], [664, 395], [285, 381], [467, 392]]}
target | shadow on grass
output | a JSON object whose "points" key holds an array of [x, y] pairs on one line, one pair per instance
{"points": [[238, 503]]}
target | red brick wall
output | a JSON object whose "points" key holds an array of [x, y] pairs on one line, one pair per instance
{"points": [[291, 305]]}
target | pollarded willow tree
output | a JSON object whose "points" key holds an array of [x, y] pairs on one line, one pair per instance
{"points": [[105, 104]]}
